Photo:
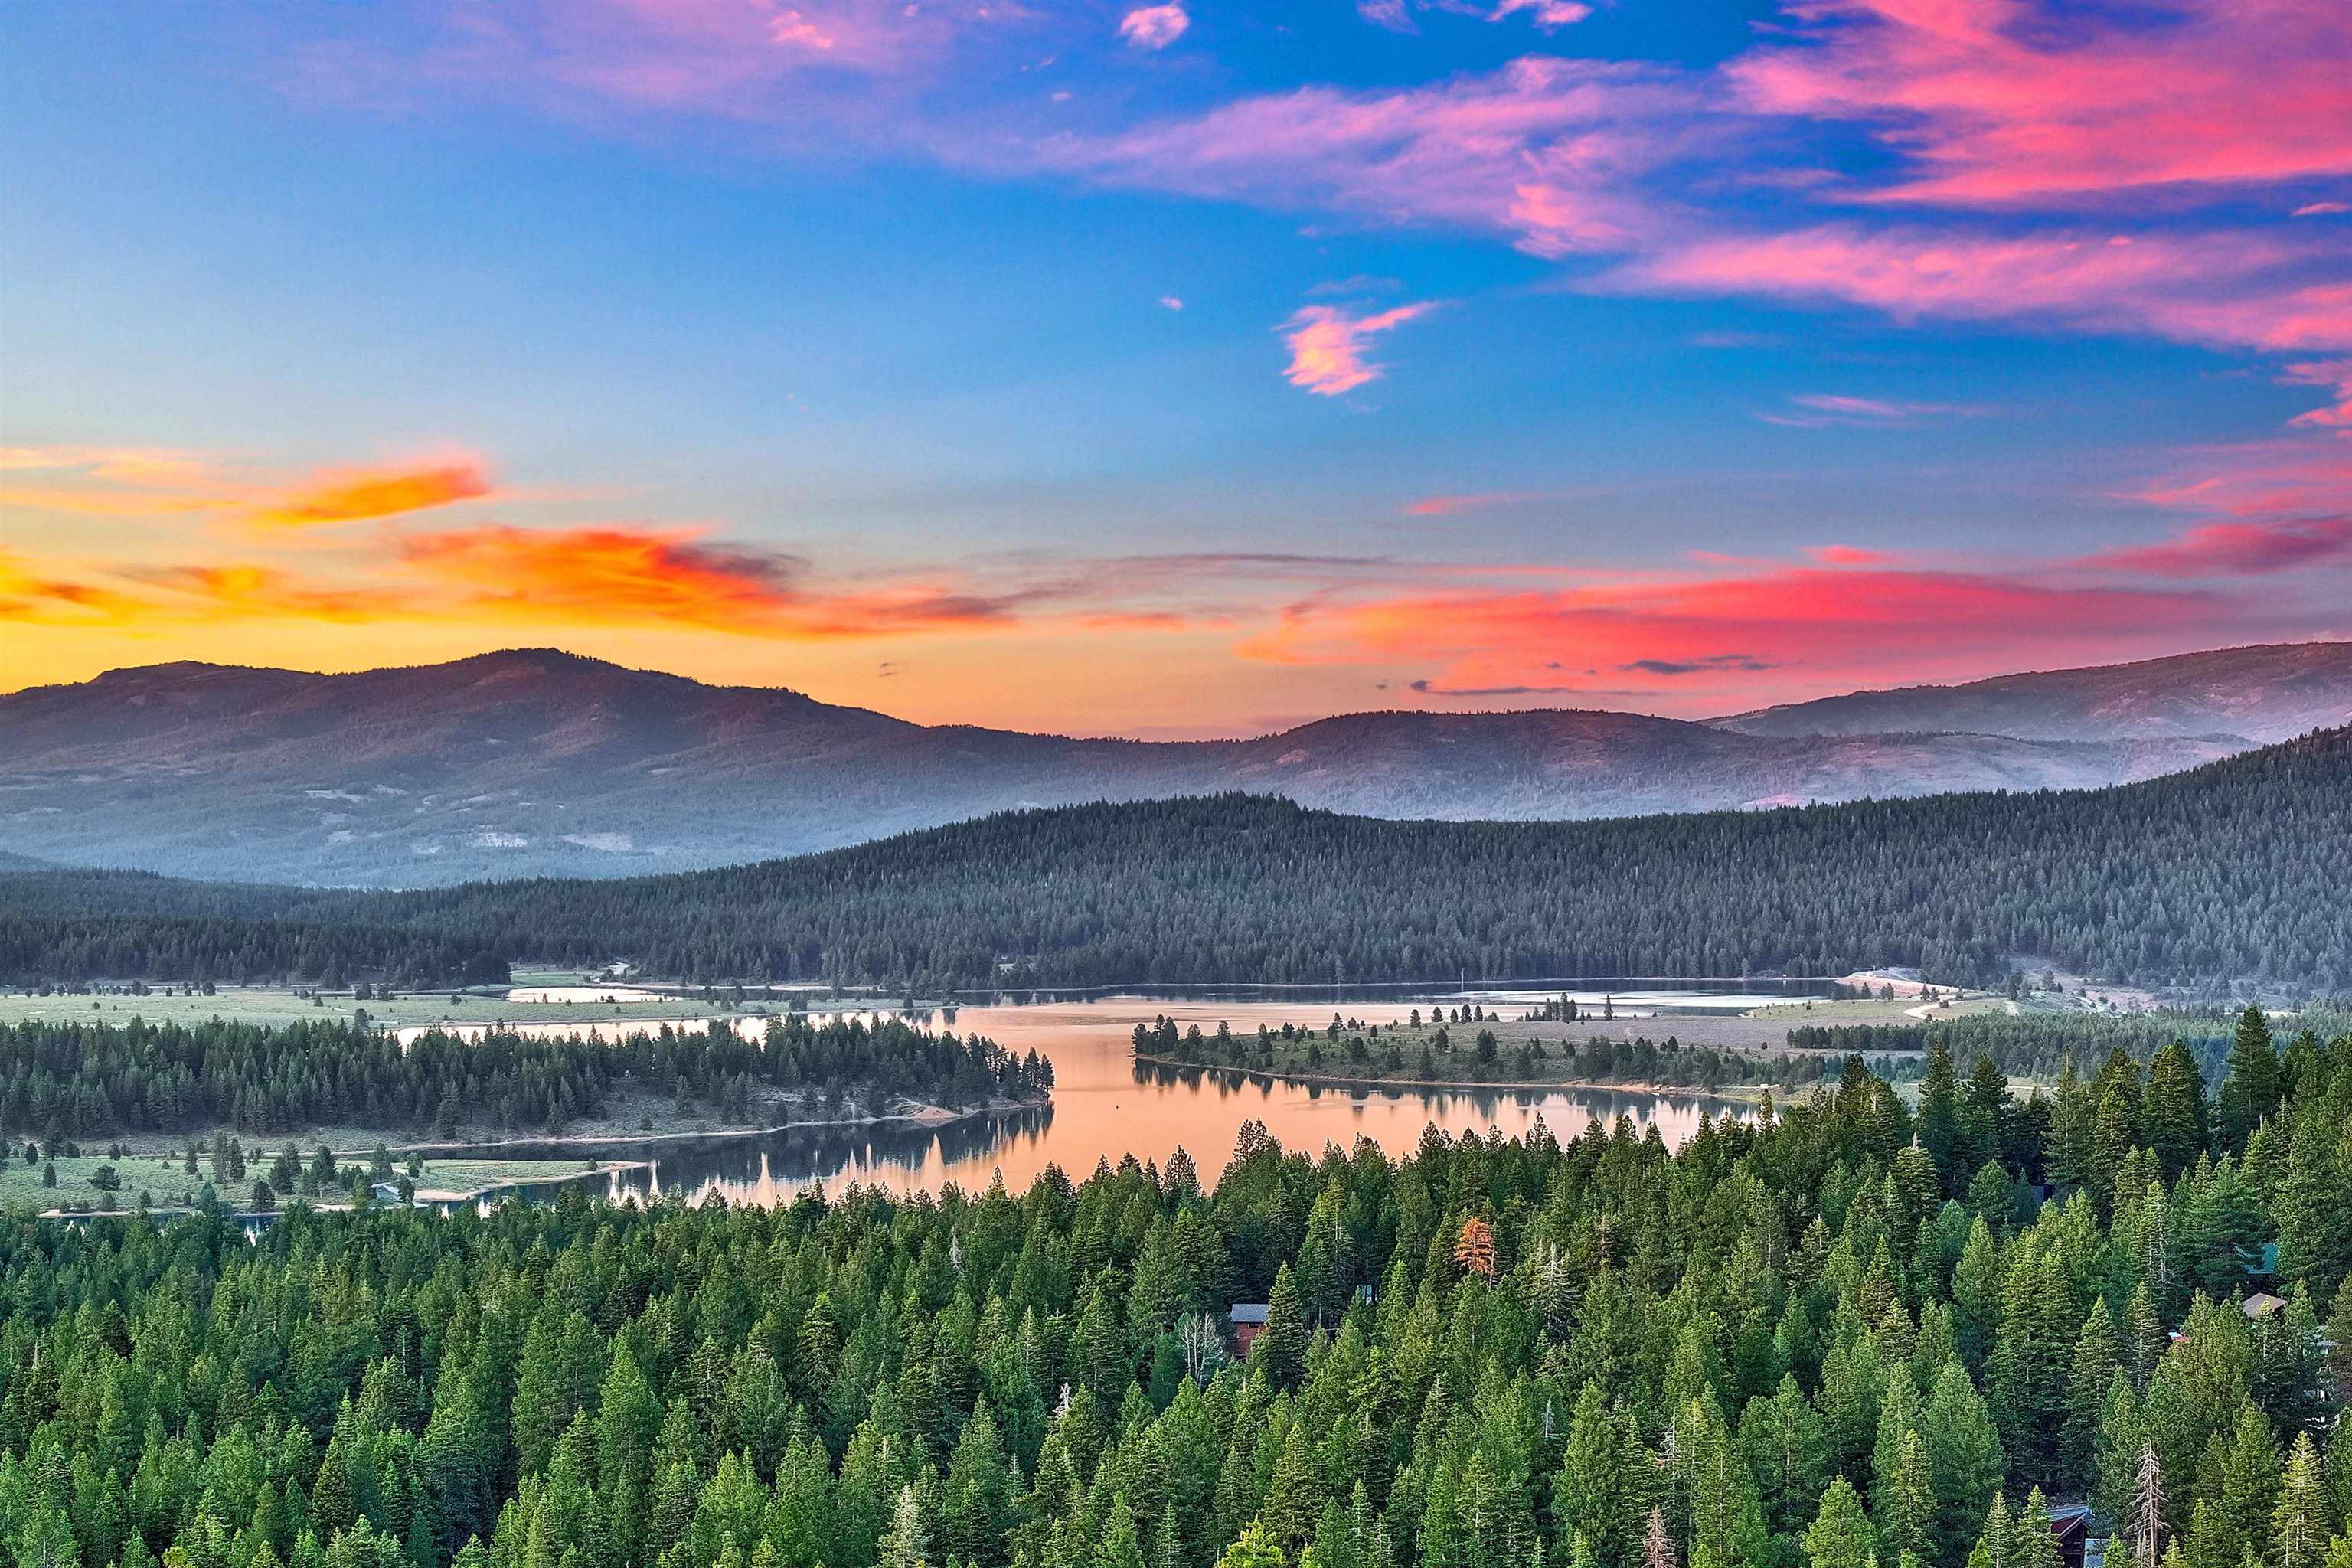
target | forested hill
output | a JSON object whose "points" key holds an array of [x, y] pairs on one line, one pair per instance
{"points": [[2229, 874]]}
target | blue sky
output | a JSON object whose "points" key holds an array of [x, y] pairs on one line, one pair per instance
{"points": [[1068, 367]]}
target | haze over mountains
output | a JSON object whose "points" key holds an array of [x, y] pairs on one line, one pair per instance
{"points": [[533, 762]]}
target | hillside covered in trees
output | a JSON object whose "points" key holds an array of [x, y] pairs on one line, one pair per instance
{"points": [[74, 1080], [2228, 876], [1839, 1336]]}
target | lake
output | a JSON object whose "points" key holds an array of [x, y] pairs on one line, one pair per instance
{"points": [[1106, 1105]]}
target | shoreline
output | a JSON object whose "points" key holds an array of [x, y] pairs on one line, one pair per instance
{"points": [[921, 1115], [1275, 1075], [924, 1115]]}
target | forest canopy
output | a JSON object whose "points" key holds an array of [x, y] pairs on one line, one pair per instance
{"points": [[2228, 877], [1840, 1334]]}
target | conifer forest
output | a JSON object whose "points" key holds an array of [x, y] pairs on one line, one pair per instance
{"points": [[1848, 1329]]}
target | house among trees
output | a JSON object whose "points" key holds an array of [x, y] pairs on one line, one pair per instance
{"points": [[2070, 1527], [1248, 1318]]}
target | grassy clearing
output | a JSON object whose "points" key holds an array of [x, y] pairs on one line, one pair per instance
{"points": [[268, 1005], [163, 1175]]}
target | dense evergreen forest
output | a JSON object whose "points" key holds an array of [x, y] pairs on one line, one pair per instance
{"points": [[2222, 877], [1480, 1048], [74, 1080], [1842, 1335], [2037, 1044]]}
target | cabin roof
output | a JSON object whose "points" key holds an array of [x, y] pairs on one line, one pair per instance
{"points": [[1248, 1311]]}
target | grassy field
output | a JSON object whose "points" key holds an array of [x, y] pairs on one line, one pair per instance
{"points": [[277, 1004], [163, 1175]]}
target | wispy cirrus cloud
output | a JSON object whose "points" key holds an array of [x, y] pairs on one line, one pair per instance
{"points": [[1398, 15], [1816, 410], [357, 495], [1330, 345], [2336, 376], [2236, 549], [140, 481], [114, 481], [2227, 289], [1543, 151], [1848, 555], [1456, 505]]}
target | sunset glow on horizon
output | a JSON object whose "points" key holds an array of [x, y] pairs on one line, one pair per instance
{"points": [[1175, 370]]}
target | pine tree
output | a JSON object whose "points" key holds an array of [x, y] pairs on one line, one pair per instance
{"points": [[1657, 1545], [1997, 1542], [2146, 1524], [1907, 1511], [1281, 1346], [2097, 1361], [1782, 1441], [2252, 1088], [2250, 1482], [1938, 1121], [2036, 1547], [905, 1545], [2299, 1527], [2176, 1113], [2314, 1201], [1841, 1535], [1965, 1461]]}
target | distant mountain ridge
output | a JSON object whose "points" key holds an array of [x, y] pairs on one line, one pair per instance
{"points": [[2249, 696], [539, 763]]}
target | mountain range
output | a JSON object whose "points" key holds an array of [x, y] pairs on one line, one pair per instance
{"points": [[534, 761]]}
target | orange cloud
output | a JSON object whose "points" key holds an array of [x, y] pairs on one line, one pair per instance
{"points": [[629, 575], [356, 495], [114, 481], [25, 596], [241, 591]]}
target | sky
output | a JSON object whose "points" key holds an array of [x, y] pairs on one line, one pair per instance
{"points": [[1183, 369]]}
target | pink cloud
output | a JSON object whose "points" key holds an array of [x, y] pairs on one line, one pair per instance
{"points": [[2022, 102], [2215, 287], [1820, 409], [1153, 26], [1327, 345], [2285, 478], [1452, 506], [1820, 621], [2320, 209], [1543, 151], [2336, 376], [1396, 15], [1848, 555], [2236, 549], [1544, 14]]}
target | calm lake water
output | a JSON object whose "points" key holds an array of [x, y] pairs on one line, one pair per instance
{"points": [[1108, 1105]]}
